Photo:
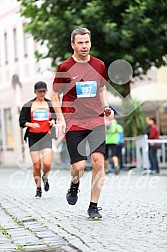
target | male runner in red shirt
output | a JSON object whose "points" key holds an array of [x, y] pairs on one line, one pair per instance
{"points": [[82, 81]]}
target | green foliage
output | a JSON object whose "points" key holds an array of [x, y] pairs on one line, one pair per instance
{"points": [[135, 31], [4, 232], [135, 122], [20, 247]]}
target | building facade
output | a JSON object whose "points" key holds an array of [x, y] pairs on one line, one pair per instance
{"points": [[19, 70]]}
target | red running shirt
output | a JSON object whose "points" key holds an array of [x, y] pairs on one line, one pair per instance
{"points": [[40, 116], [80, 84]]}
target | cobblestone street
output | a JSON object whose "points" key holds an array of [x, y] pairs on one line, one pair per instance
{"points": [[133, 208]]}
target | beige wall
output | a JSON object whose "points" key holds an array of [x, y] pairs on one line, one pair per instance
{"points": [[162, 75]]}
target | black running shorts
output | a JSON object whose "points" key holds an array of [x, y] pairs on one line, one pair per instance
{"points": [[83, 143], [39, 141], [111, 150]]}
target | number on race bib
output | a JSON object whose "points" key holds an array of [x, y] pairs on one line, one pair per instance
{"points": [[41, 114], [86, 89]]}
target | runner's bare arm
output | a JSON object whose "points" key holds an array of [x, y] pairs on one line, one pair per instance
{"points": [[60, 122], [109, 113]]}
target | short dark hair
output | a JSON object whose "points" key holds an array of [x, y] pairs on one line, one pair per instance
{"points": [[79, 31], [152, 118]]}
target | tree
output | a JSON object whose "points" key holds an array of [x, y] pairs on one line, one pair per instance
{"points": [[132, 30], [135, 123]]}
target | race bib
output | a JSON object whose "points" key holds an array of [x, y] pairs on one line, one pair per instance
{"points": [[41, 114], [86, 89]]}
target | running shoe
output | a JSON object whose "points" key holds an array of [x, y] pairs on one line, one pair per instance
{"points": [[117, 170], [46, 183], [94, 214], [38, 193], [72, 196]]}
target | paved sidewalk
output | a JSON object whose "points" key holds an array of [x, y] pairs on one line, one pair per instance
{"points": [[134, 214]]}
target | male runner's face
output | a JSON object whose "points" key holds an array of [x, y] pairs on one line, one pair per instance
{"points": [[81, 46]]}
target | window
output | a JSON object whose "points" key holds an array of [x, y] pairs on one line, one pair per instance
{"points": [[25, 42], [8, 129], [6, 47], [15, 44]]}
